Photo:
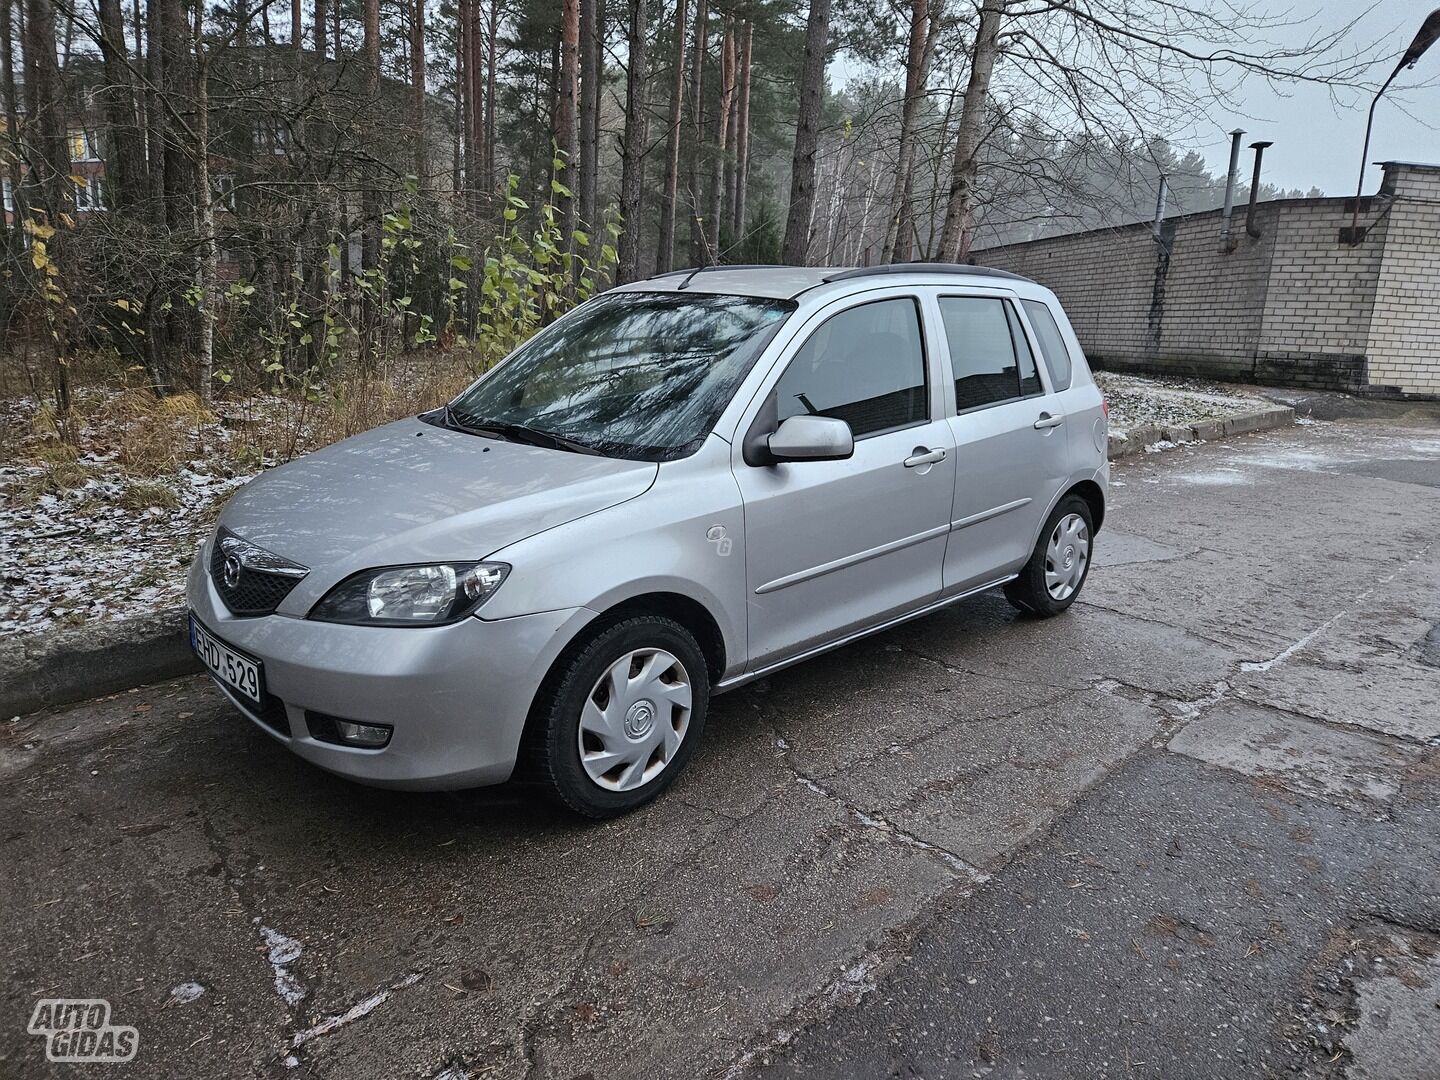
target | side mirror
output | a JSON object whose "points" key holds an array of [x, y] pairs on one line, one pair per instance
{"points": [[811, 438]]}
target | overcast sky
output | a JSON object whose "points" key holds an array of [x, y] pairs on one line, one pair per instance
{"points": [[1317, 139]]}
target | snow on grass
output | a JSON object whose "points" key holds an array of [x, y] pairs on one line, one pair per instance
{"points": [[1137, 401], [81, 538]]}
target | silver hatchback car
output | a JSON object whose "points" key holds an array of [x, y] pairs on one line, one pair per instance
{"points": [[682, 485]]}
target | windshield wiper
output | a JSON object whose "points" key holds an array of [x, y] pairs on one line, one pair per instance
{"points": [[497, 429], [537, 437]]}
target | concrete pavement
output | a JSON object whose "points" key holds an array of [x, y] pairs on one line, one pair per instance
{"points": [[1189, 829]]}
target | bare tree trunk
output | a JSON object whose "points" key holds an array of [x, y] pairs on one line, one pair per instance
{"points": [[665, 253], [742, 138], [12, 118], [465, 16], [566, 92], [49, 155], [417, 87], [370, 201], [955, 237], [589, 111], [718, 163], [49, 161], [124, 174], [492, 47], [207, 271], [297, 32], [338, 26], [598, 45], [807, 136], [320, 15], [924, 18], [698, 255], [632, 178]]}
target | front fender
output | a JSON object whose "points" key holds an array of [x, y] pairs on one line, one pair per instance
{"points": [[685, 536]]}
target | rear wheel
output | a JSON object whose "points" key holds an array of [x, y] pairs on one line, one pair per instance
{"points": [[1060, 563], [620, 717]]}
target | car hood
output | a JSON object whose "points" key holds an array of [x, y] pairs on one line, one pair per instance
{"points": [[410, 492]]}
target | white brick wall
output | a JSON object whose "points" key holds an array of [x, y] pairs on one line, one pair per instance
{"points": [[1295, 304]]}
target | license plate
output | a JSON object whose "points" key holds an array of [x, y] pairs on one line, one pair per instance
{"points": [[240, 673]]}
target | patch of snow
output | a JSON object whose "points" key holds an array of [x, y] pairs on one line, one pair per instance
{"points": [[350, 1015], [77, 555], [1136, 400], [187, 992], [284, 951]]}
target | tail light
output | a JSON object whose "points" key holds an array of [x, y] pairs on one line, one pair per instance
{"points": [[1105, 406]]}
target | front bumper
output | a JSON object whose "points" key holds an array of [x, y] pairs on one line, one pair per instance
{"points": [[456, 696]]}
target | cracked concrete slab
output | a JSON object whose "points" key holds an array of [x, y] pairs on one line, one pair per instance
{"points": [[1354, 770], [1396, 1034], [822, 839], [981, 791]]}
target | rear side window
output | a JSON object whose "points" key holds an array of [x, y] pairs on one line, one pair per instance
{"points": [[865, 366], [989, 355], [1052, 342]]}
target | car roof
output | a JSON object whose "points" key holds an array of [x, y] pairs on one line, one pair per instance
{"points": [[788, 282]]}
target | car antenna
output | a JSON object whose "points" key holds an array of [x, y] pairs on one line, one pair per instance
{"points": [[717, 266], [689, 276]]}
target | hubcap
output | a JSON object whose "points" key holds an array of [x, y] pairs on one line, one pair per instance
{"points": [[634, 720], [1066, 556]]}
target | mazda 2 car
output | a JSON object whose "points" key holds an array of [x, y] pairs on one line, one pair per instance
{"points": [[682, 485]]}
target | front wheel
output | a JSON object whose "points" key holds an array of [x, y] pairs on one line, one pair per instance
{"points": [[1060, 563], [620, 717]]}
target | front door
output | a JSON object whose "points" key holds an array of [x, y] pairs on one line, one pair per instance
{"points": [[835, 546], [1010, 442]]}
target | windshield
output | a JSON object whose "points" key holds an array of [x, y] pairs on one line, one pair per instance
{"points": [[631, 374]]}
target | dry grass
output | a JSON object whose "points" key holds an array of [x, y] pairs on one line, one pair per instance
{"points": [[141, 495], [59, 472], [153, 435], [359, 404]]}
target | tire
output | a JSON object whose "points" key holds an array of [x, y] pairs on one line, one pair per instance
{"points": [[600, 752], [1043, 590]]}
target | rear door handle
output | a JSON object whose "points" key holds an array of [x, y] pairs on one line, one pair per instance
{"points": [[922, 456], [1048, 421]]}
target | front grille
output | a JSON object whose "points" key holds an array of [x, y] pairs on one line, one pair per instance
{"points": [[253, 591]]}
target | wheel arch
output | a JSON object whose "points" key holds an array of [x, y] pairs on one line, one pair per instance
{"points": [[1094, 498], [685, 610]]}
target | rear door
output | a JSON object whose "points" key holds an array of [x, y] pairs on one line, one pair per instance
{"points": [[1010, 442], [834, 546]]}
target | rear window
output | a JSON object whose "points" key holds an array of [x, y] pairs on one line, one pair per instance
{"points": [[1052, 342]]}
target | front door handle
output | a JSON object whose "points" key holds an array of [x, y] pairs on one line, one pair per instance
{"points": [[922, 456], [1048, 421]]}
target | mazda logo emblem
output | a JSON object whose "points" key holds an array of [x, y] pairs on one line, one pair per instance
{"points": [[231, 572]]}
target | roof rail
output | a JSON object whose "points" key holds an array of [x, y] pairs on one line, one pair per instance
{"points": [[926, 268], [691, 271]]}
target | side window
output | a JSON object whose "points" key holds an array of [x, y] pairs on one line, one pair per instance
{"points": [[865, 366], [989, 355], [1052, 342], [1029, 377]]}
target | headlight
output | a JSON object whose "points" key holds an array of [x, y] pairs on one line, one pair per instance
{"points": [[411, 595]]}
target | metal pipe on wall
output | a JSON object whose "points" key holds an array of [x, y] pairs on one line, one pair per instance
{"points": [[1250, 229], [1230, 189]]}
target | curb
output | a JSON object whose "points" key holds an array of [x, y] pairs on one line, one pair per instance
{"points": [[40, 671], [1139, 438]]}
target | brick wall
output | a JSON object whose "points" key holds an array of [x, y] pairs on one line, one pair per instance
{"points": [[1297, 305]]}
